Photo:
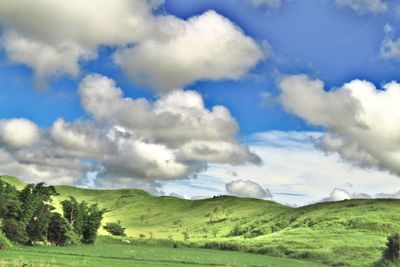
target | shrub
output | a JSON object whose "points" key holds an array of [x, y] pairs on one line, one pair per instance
{"points": [[115, 228], [392, 251], [237, 231]]}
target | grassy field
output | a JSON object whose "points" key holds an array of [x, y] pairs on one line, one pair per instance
{"points": [[111, 252], [345, 233]]}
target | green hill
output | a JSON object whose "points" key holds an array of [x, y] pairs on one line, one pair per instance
{"points": [[345, 233]]}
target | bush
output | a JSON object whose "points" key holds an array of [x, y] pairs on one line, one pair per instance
{"points": [[15, 231], [115, 228], [237, 231], [392, 251], [222, 246]]}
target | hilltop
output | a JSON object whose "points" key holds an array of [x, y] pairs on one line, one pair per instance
{"points": [[348, 233]]}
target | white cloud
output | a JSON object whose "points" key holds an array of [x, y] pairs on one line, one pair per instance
{"points": [[295, 170], [361, 121], [339, 194], [53, 38], [178, 120], [208, 46], [247, 188], [390, 47], [365, 6], [18, 133], [127, 141], [268, 3], [174, 118]]}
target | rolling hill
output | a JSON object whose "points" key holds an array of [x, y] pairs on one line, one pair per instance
{"points": [[345, 233]]}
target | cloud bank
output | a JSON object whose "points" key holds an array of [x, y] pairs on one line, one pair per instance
{"points": [[162, 51], [127, 142]]}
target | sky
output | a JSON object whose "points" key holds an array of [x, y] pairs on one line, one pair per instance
{"points": [[294, 101]]}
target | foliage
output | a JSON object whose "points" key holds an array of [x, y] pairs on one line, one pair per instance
{"points": [[115, 228], [15, 231], [74, 212], [86, 219], [28, 216], [392, 251], [27, 213], [60, 231]]}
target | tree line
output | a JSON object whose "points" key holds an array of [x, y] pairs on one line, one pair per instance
{"points": [[28, 216]]}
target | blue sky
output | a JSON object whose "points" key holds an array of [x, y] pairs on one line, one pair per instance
{"points": [[332, 41]]}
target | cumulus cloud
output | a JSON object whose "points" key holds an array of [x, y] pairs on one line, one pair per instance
{"points": [[361, 121], [339, 194], [127, 142], [18, 133], [195, 50], [247, 188], [53, 38], [174, 118], [365, 6]]}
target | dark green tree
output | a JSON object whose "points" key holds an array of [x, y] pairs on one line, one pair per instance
{"points": [[74, 212], [85, 219], [36, 210], [15, 231], [10, 206], [60, 231], [92, 222]]}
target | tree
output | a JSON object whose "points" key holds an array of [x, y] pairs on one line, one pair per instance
{"points": [[85, 219], [115, 228], [10, 206], [60, 231], [392, 251], [74, 212], [92, 222], [27, 213], [15, 231], [36, 210]]}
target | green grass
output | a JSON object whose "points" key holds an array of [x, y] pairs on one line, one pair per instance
{"points": [[345, 233], [111, 252]]}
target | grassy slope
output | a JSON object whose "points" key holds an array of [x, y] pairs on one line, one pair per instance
{"points": [[343, 233]]}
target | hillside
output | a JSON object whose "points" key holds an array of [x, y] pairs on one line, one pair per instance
{"points": [[348, 233]]}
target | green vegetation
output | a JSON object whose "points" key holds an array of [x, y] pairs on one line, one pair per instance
{"points": [[345, 233], [28, 216], [115, 228], [112, 252]]}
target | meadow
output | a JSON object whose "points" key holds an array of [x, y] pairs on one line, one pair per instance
{"points": [[346, 233], [112, 252]]}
